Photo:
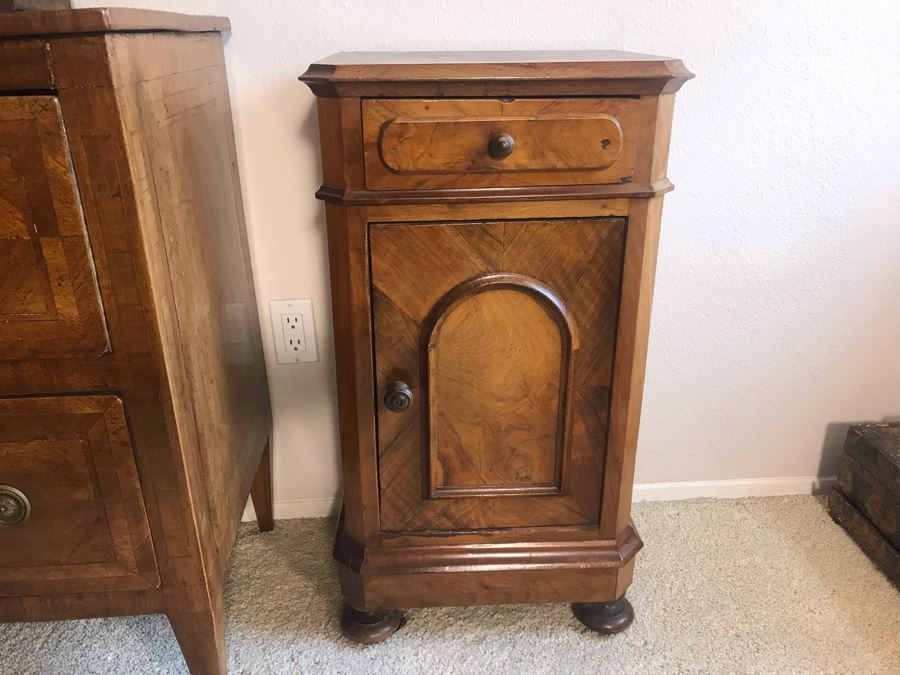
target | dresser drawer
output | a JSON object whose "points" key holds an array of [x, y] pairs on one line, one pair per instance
{"points": [[50, 304], [433, 144], [72, 515], [25, 64]]}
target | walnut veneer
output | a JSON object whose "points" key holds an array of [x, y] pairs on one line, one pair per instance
{"points": [[493, 221], [134, 410]]}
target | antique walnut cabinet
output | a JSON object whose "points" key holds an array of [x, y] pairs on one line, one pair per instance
{"points": [[493, 221], [134, 411]]}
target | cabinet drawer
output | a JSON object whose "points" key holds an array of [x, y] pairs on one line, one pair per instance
{"points": [[25, 64], [420, 144], [72, 515]]}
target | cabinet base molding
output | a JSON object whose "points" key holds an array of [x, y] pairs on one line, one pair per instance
{"points": [[80, 606], [486, 573]]}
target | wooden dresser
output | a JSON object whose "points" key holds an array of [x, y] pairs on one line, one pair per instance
{"points": [[493, 221], [134, 411]]}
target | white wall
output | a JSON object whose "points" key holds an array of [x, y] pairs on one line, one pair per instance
{"points": [[777, 314]]}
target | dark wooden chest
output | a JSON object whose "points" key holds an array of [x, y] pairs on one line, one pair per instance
{"points": [[866, 499]]}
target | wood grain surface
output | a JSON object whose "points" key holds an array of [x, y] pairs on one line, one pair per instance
{"points": [[50, 305], [72, 458], [866, 497], [500, 73], [413, 144], [498, 378], [414, 266], [106, 20], [147, 122], [509, 476], [25, 64]]}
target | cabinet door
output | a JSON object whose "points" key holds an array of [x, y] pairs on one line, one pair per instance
{"points": [[503, 332], [49, 302]]}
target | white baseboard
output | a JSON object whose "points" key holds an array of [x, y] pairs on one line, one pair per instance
{"points": [[732, 489], [643, 492]]}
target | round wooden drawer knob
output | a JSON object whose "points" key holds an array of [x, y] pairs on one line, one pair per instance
{"points": [[14, 506], [398, 397], [501, 146]]}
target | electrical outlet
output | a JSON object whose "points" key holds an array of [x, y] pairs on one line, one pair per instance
{"points": [[294, 331]]}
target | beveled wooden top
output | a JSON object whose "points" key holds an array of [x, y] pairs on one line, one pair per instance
{"points": [[494, 73], [106, 20]]}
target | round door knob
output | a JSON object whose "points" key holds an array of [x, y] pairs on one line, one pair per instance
{"points": [[501, 146], [398, 397], [14, 506]]}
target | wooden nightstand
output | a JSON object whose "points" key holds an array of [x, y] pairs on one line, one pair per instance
{"points": [[493, 221], [134, 411]]}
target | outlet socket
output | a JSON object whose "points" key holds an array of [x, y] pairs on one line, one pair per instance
{"points": [[294, 331]]}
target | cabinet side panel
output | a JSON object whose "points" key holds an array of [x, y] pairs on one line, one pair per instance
{"points": [[135, 367], [633, 332], [181, 146]]}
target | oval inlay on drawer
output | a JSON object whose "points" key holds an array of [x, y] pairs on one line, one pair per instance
{"points": [[421, 144]]}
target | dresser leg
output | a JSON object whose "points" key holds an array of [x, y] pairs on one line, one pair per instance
{"points": [[261, 491], [370, 627], [605, 617], [201, 636]]}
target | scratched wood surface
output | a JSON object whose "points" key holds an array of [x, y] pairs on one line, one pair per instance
{"points": [[866, 496]]}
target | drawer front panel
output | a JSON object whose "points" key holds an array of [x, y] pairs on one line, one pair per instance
{"points": [[412, 144], [25, 64], [503, 334], [72, 515], [49, 300]]}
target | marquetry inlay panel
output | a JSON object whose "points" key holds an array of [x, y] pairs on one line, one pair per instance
{"points": [[71, 458], [50, 304]]}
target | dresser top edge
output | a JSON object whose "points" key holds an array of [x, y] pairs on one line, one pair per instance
{"points": [[105, 20]]}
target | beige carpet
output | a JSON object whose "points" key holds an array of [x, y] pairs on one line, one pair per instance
{"points": [[745, 586]]}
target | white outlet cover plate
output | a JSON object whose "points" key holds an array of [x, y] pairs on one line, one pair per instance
{"points": [[290, 348]]}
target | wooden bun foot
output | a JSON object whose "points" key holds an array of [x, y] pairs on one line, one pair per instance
{"points": [[370, 627], [605, 617]]}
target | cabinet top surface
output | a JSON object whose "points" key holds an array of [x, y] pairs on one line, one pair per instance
{"points": [[531, 58], [363, 73], [105, 20]]}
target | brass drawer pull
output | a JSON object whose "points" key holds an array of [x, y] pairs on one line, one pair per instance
{"points": [[14, 506], [398, 397], [501, 146]]}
